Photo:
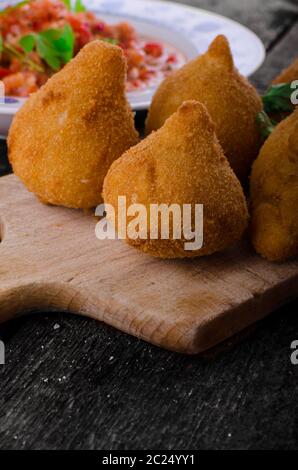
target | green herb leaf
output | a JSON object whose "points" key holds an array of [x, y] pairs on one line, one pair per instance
{"points": [[27, 42], [278, 99], [1, 43], [265, 124], [67, 3], [79, 6], [54, 46], [111, 41], [61, 42], [20, 4], [13, 7], [23, 57], [47, 53]]}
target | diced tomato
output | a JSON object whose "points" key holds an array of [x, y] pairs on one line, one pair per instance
{"points": [[154, 49], [147, 61], [99, 27], [136, 83], [4, 72], [134, 57], [84, 35], [74, 22], [143, 73], [172, 59], [126, 32]]}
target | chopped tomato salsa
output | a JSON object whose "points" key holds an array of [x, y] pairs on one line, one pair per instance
{"points": [[39, 36]]}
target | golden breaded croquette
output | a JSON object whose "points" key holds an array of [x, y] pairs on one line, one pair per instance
{"points": [[231, 100], [65, 137], [288, 75], [274, 193], [181, 163]]}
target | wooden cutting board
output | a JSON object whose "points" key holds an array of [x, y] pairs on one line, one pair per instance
{"points": [[50, 259]]}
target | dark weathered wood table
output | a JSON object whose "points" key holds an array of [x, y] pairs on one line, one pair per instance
{"points": [[72, 383]]}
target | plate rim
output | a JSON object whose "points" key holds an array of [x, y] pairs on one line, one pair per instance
{"points": [[196, 10], [6, 110]]}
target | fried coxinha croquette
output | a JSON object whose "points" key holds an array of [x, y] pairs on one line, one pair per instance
{"points": [[181, 163], [231, 101], [274, 193], [288, 75], [65, 137]]}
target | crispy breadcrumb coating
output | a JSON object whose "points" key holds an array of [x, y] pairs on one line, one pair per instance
{"points": [[274, 193], [231, 100], [65, 137], [181, 163]]}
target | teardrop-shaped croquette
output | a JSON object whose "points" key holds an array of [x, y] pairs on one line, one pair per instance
{"points": [[65, 137], [181, 163], [232, 102], [274, 193]]}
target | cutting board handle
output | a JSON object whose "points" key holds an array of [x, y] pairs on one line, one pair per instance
{"points": [[20, 299]]}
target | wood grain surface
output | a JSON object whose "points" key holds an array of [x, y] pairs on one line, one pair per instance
{"points": [[51, 260], [69, 383]]}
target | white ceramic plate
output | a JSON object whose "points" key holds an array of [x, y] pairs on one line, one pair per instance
{"points": [[189, 29]]}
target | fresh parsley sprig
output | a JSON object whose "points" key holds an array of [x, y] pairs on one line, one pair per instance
{"points": [[10, 50], [10, 8], [76, 7], [265, 124], [113, 41], [54, 46], [278, 99], [277, 103]]}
